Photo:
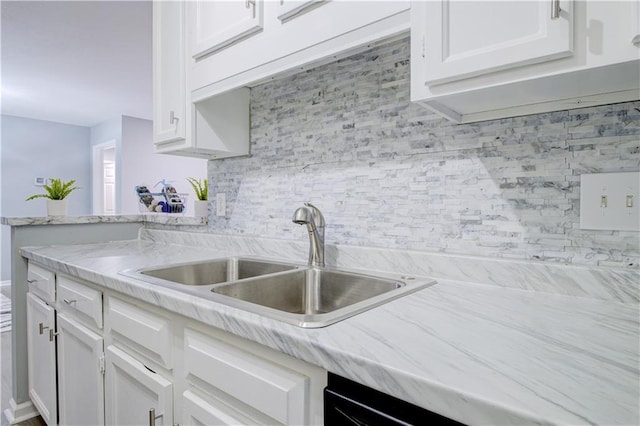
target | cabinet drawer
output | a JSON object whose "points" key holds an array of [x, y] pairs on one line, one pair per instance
{"points": [[41, 282], [145, 332], [79, 300], [270, 388]]}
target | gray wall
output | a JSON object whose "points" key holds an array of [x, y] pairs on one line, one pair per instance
{"points": [[32, 148], [346, 137]]}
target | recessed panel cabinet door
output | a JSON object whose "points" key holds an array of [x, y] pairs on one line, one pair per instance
{"points": [[132, 391], [169, 81], [41, 358], [467, 38], [80, 380], [217, 24]]}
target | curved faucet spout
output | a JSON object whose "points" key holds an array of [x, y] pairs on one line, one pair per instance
{"points": [[311, 216]]}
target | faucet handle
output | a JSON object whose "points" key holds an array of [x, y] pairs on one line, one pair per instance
{"points": [[317, 214]]}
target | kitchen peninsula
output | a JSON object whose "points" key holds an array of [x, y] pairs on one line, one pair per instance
{"points": [[59, 230]]}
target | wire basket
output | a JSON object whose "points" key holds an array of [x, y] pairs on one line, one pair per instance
{"points": [[161, 202]]}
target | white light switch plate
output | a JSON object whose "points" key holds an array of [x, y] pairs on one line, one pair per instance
{"points": [[610, 201]]}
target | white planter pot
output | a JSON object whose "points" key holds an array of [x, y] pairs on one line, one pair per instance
{"points": [[200, 208], [56, 207]]}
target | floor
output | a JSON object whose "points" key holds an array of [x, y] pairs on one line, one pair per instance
{"points": [[5, 372]]}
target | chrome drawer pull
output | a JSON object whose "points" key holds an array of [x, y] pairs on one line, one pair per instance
{"points": [[153, 417], [555, 9], [69, 301]]}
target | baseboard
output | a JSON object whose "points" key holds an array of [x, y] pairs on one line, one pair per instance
{"points": [[3, 283], [17, 413]]}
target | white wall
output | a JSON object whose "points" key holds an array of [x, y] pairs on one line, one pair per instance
{"points": [[140, 165]]}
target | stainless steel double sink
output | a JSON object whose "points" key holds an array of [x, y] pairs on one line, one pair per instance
{"points": [[301, 295]]}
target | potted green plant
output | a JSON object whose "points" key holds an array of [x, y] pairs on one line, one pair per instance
{"points": [[57, 192], [201, 203]]}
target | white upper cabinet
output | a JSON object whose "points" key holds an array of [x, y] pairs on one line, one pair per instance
{"points": [[467, 38], [234, 47], [481, 60], [169, 81], [218, 24]]}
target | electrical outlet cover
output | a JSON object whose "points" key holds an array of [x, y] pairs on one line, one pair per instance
{"points": [[620, 190]]}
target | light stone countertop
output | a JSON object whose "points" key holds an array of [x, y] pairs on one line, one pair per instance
{"points": [[165, 219], [481, 354]]}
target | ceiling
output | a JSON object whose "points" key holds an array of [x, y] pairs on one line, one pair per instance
{"points": [[76, 62]]}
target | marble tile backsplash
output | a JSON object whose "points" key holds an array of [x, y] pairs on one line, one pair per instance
{"points": [[387, 173]]}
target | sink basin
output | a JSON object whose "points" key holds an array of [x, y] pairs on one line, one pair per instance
{"points": [[308, 292], [315, 297], [208, 272], [300, 295]]}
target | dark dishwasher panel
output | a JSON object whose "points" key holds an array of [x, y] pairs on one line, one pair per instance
{"points": [[351, 404]]}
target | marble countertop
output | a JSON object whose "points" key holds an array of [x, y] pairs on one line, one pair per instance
{"points": [[477, 353], [165, 219]]}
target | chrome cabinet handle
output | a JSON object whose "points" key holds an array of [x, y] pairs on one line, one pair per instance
{"points": [[52, 334], [555, 9], [172, 117], [42, 327], [153, 417], [32, 281], [69, 301], [251, 3]]}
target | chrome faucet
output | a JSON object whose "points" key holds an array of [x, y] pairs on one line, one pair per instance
{"points": [[313, 218]]}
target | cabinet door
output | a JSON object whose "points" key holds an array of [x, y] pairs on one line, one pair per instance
{"points": [[217, 24], [80, 368], [465, 38], [41, 358], [132, 391], [169, 82]]}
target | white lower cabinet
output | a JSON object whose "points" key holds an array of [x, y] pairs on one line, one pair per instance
{"points": [[65, 361], [246, 387], [151, 366], [80, 373], [41, 358], [135, 395]]}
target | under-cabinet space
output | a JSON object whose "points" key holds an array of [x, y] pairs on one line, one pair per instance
{"points": [[474, 61]]}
